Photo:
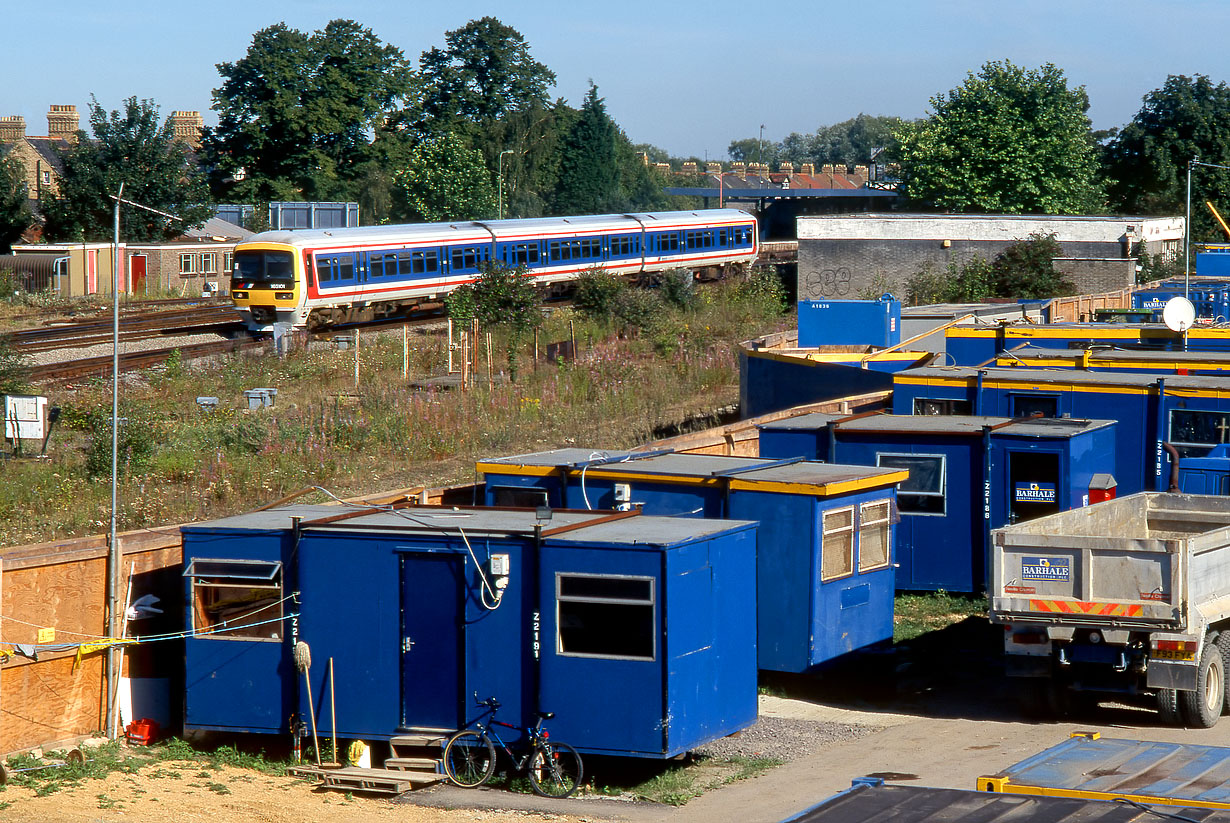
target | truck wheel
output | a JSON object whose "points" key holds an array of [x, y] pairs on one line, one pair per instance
{"points": [[1168, 707], [1202, 707], [1223, 646]]}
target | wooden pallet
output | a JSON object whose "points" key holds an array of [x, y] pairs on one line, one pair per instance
{"points": [[350, 778]]}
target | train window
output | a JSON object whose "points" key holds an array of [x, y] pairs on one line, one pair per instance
{"points": [[723, 238], [375, 264], [424, 262], [521, 254], [668, 242], [468, 257], [324, 269], [344, 267], [260, 266], [623, 246]]}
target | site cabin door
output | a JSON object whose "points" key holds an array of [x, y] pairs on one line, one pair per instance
{"points": [[432, 654], [136, 274]]}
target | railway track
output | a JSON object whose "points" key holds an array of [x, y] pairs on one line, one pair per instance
{"points": [[82, 333], [132, 361]]}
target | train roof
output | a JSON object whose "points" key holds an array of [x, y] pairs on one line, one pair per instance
{"points": [[502, 229]]}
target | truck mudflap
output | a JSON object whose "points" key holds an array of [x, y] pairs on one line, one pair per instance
{"points": [[1174, 661], [1167, 674]]}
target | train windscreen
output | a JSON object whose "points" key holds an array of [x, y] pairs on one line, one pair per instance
{"points": [[264, 266]]}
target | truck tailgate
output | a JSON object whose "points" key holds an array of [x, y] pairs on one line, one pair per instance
{"points": [[1053, 578]]}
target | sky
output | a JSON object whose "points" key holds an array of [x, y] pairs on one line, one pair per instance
{"points": [[688, 77]]}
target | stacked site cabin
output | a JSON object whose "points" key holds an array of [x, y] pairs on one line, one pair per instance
{"points": [[1132, 361], [638, 632], [1190, 412], [824, 558], [979, 345], [967, 475]]}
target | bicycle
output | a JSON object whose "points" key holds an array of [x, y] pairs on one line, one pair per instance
{"points": [[554, 768]]}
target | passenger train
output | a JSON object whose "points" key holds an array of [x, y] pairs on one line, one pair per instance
{"points": [[320, 277]]}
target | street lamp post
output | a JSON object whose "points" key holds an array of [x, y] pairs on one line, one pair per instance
{"points": [[114, 558], [1187, 223], [760, 147], [501, 181]]}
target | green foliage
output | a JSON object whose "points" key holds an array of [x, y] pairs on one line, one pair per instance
{"points": [[1021, 270], [967, 282], [443, 180], [754, 150], [295, 112], [638, 309], [761, 289], [597, 292], [133, 148], [1187, 118], [483, 74], [678, 289], [589, 164], [14, 370], [1008, 140], [15, 215], [137, 439], [1024, 269], [1157, 267]]}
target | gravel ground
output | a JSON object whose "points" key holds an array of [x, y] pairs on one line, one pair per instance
{"points": [[62, 355], [784, 738]]}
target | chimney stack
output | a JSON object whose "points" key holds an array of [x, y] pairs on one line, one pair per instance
{"points": [[62, 123], [12, 129], [187, 127]]}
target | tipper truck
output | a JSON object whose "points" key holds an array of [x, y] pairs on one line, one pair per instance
{"points": [[1128, 596]]}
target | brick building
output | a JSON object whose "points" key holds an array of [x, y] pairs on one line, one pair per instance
{"points": [[38, 153], [842, 255]]}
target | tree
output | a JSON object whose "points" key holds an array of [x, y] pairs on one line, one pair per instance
{"points": [[443, 180], [15, 216], [483, 74], [501, 296], [754, 150], [133, 148], [295, 113], [1008, 140], [589, 172], [1025, 269], [1187, 118]]}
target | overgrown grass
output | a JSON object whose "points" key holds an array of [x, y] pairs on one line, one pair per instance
{"points": [[676, 784], [180, 463], [916, 614], [51, 774]]}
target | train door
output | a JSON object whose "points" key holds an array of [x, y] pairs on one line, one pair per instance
{"points": [[1033, 485], [431, 641]]}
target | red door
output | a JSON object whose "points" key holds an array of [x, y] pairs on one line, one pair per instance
{"points": [[136, 272]]}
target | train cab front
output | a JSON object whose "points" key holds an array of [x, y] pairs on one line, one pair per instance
{"points": [[266, 286]]}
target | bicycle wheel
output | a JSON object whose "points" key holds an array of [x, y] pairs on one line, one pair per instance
{"points": [[555, 770], [469, 759]]}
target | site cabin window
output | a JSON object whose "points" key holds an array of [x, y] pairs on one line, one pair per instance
{"points": [[837, 545], [874, 528], [924, 490], [187, 264], [1195, 433], [927, 406], [1027, 405], [606, 616], [236, 599], [521, 497]]}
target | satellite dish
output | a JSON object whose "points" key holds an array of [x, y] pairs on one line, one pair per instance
{"points": [[1179, 314]]}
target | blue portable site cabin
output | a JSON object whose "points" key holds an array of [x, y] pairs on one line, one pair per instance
{"points": [[774, 374], [1210, 297], [968, 475], [1134, 361], [638, 632], [1190, 412], [850, 322], [824, 564], [979, 345]]}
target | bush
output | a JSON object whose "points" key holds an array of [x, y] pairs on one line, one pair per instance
{"points": [[14, 370], [597, 293], [970, 282], [762, 289], [1024, 269], [678, 288], [135, 444], [638, 308]]}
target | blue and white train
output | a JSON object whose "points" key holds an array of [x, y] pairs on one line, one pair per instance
{"points": [[321, 277]]}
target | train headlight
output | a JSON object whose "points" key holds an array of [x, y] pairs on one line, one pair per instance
{"points": [[239, 295], [283, 295]]}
